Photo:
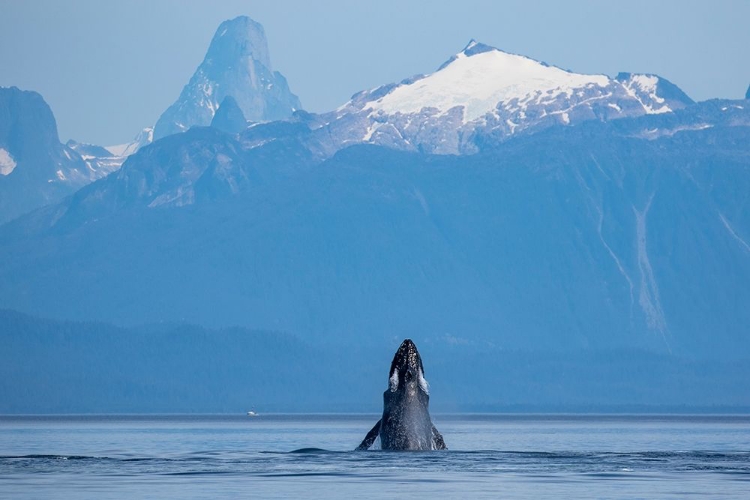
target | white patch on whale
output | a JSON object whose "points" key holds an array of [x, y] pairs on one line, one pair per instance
{"points": [[393, 381], [423, 383]]}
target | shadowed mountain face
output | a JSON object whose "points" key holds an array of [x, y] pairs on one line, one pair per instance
{"points": [[229, 117], [578, 238], [35, 168], [237, 64]]}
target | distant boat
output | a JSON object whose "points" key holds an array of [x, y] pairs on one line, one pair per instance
{"points": [[252, 413]]}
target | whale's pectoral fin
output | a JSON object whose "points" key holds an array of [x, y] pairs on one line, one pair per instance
{"points": [[370, 437], [437, 439]]}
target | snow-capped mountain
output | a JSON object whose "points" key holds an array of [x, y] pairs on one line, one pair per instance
{"points": [[483, 93], [237, 64], [35, 168], [143, 138]]}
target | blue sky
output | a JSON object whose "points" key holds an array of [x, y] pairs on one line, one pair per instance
{"points": [[109, 69]]}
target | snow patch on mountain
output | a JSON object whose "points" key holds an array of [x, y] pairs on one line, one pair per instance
{"points": [[655, 133], [7, 163], [649, 289], [638, 85], [733, 233], [144, 137]]}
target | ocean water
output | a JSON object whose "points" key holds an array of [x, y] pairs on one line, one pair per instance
{"points": [[310, 456]]}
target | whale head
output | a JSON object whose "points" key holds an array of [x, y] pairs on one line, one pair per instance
{"points": [[407, 372]]}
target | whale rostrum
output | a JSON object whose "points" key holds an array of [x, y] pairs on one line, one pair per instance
{"points": [[406, 423]]}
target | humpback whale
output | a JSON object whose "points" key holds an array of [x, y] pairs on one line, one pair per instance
{"points": [[406, 423]]}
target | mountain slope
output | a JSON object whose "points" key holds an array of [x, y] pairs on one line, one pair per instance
{"points": [[182, 368], [237, 64], [575, 238]]}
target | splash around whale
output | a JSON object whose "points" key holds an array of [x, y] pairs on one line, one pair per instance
{"points": [[406, 423]]}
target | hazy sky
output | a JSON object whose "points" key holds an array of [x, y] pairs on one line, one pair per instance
{"points": [[108, 69]]}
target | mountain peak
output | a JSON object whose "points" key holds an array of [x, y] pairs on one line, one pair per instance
{"points": [[471, 49], [237, 38], [237, 64], [474, 47], [747, 94], [229, 117], [144, 138]]}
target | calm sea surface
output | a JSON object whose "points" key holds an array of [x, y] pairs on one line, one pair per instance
{"points": [[304, 456]]}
